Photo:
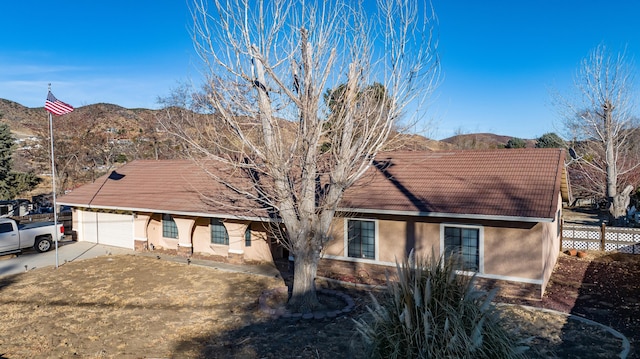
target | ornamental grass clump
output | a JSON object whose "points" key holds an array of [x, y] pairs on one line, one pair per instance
{"points": [[432, 312]]}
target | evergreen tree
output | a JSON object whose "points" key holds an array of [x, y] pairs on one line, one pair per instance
{"points": [[6, 149], [550, 140], [12, 183], [516, 142]]}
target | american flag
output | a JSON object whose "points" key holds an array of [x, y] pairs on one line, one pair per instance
{"points": [[55, 106]]}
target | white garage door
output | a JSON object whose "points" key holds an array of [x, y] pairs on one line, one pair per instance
{"points": [[108, 228]]}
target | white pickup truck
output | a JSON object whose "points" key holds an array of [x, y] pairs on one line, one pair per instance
{"points": [[15, 237]]}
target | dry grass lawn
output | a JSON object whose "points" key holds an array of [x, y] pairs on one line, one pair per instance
{"points": [[136, 306], [124, 307]]}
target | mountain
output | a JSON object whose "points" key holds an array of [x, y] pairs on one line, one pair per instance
{"points": [[481, 141], [25, 121], [96, 138]]}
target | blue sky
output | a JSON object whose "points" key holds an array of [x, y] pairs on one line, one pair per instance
{"points": [[499, 58]]}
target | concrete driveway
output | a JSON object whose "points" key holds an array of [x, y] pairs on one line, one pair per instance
{"points": [[68, 251]]}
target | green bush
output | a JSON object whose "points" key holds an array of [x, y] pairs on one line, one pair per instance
{"points": [[431, 312]]}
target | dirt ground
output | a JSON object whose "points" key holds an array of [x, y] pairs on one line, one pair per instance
{"points": [[602, 287], [142, 307]]}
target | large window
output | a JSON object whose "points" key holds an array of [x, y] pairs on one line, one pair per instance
{"points": [[219, 233], [361, 239], [463, 244], [169, 228]]}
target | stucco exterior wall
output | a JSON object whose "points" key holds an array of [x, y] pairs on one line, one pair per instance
{"points": [[336, 246], [154, 234], [202, 240], [393, 241], [194, 237], [512, 251], [260, 248], [397, 237], [551, 245], [140, 226]]}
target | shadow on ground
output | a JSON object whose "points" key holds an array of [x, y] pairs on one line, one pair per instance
{"points": [[610, 294]]}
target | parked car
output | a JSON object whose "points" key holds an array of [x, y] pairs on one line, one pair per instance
{"points": [[16, 237]]}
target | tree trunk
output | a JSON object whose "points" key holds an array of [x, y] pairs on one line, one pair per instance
{"points": [[303, 295], [618, 209], [610, 160]]}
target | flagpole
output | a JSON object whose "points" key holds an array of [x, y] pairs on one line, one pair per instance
{"points": [[53, 184]]}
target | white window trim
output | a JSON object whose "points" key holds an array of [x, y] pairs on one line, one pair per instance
{"points": [[211, 243], [480, 244], [376, 241], [174, 223]]}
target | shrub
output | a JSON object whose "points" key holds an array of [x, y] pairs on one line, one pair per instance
{"points": [[431, 312]]}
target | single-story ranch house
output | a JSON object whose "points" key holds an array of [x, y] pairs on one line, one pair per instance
{"points": [[500, 209]]}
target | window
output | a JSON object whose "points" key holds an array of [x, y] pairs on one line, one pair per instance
{"points": [[247, 237], [169, 228], [463, 243], [361, 239], [219, 233], [6, 228]]}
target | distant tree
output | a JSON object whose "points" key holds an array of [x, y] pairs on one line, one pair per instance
{"points": [[24, 182], [12, 183], [600, 119], [82, 150], [7, 145], [516, 143], [373, 97], [550, 140]]}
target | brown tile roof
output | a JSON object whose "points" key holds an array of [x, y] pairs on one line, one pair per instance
{"points": [[169, 186], [514, 183]]}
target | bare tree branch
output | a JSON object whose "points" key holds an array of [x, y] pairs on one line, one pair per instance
{"points": [[268, 65], [602, 123]]}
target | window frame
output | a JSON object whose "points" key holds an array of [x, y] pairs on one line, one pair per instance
{"points": [[6, 225], [480, 243], [247, 236], [212, 230], [376, 239], [169, 227]]}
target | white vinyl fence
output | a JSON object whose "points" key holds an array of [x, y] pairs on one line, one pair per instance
{"points": [[601, 238]]}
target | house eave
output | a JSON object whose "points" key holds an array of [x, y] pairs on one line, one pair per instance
{"points": [[447, 215], [179, 213]]}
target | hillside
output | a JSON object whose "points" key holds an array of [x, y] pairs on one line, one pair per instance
{"points": [[26, 121], [22, 120], [95, 138], [479, 141]]}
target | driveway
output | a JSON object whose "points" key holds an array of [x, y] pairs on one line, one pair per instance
{"points": [[68, 251]]}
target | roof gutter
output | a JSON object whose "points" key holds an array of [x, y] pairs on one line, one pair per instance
{"points": [[447, 215], [179, 213]]}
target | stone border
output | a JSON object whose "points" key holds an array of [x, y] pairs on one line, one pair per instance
{"points": [[316, 315]]}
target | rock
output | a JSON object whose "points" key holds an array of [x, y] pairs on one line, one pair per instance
{"points": [[571, 252]]}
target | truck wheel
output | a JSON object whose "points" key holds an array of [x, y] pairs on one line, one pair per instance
{"points": [[43, 244]]}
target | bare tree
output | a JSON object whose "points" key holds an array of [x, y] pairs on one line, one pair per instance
{"points": [[602, 123], [268, 65]]}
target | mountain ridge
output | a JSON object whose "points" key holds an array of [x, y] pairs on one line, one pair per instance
{"points": [[25, 115]]}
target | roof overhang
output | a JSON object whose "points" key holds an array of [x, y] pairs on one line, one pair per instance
{"points": [[483, 217], [179, 213]]}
